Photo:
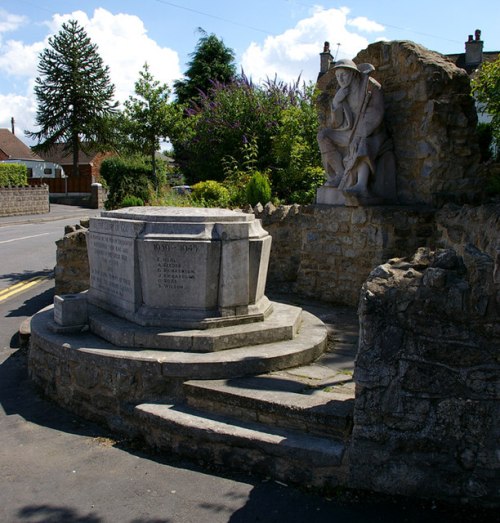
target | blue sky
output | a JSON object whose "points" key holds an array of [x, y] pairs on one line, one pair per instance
{"points": [[269, 37]]}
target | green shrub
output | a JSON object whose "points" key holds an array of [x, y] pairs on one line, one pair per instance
{"points": [[127, 177], [132, 201], [493, 180], [210, 194], [258, 189], [314, 177], [485, 139], [13, 175]]}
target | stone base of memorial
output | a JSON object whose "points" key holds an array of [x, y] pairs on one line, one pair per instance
{"points": [[175, 294], [179, 267]]}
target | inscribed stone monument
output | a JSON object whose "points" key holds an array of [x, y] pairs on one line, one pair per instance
{"points": [[168, 266]]}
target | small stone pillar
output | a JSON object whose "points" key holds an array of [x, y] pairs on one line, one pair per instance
{"points": [[98, 196]]}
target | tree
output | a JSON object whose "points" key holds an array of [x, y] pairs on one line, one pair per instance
{"points": [[74, 94], [148, 116], [239, 128], [486, 88], [211, 62]]}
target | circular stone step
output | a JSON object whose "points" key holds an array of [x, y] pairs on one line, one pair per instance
{"points": [[84, 368], [282, 324]]}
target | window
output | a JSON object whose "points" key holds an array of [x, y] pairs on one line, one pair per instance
{"points": [[47, 170], [29, 172]]}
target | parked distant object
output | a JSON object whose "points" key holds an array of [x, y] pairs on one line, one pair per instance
{"points": [[39, 168], [182, 189]]}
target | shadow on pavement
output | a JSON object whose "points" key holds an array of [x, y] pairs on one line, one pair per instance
{"points": [[53, 514], [33, 305], [17, 277]]}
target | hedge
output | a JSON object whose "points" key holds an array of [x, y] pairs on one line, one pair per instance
{"points": [[13, 175]]}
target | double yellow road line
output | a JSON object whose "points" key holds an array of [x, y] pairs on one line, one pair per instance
{"points": [[22, 286]]}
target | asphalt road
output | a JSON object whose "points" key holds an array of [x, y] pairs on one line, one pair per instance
{"points": [[56, 467]]}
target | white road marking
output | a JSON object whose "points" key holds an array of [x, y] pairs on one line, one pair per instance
{"points": [[25, 238]]}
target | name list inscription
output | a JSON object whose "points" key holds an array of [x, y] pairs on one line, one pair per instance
{"points": [[174, 265], [111, 266]]}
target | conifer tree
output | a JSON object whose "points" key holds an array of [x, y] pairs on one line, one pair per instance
{"points": [[74, 94], [211, 62]]}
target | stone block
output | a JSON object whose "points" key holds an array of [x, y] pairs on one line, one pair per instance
{"points": [[70, 310]]}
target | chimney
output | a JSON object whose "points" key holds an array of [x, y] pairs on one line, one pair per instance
{"points": [[12, 121], [474, 49], [326, 59]]}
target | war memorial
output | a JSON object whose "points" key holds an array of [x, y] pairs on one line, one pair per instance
{"points": [[174, 317]]}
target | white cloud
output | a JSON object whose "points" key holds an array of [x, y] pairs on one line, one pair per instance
{"points": [[10, 22], [123, 44], [22, 108], [18, 59], [296, 51], [364, 24]]}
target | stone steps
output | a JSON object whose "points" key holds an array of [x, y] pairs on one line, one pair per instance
{"points": [[276, 401], [268, 425], [149, 374], [262, 449]]}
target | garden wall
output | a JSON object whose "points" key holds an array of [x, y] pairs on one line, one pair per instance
{"points": [[16, 201], [327, 253]]}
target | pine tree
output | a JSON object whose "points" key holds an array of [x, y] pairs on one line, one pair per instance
{"points": [[74, 94], [211, 62]]}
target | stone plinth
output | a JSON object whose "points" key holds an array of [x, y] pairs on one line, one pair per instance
{"points": [[179, 267]]}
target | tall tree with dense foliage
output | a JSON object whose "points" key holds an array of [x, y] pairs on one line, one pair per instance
{"points": [[74, 93], [148, 116], [486, 88], [211, 61]]}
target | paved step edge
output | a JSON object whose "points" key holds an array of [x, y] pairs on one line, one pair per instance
{"points": [[322, 414], [283, 324], [282, 454], [309, 344]]}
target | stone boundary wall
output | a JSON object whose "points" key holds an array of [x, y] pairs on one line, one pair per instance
{"points": [[72, 273], [327, 253], [15, 201]]}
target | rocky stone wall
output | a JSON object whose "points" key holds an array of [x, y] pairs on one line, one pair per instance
{"points": [[17, 201], [72, 266], [432, 120], [458, 226], [427, 411]]}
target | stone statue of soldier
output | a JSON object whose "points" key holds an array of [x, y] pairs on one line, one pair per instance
{"points": [[354, 137]]}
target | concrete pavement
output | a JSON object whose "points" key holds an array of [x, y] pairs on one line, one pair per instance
{"points": [[57, 212]]}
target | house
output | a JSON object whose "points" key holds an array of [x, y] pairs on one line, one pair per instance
{"points": [[13, 150], [474, 54], [471, 61], [89, 161]]}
